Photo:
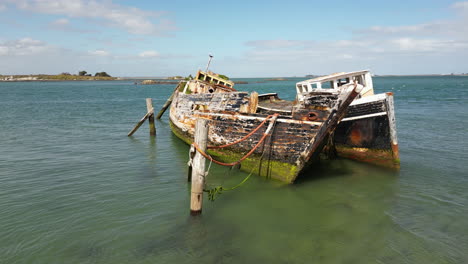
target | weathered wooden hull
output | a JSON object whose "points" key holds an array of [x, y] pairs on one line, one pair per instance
{"points": [[293, 145], [278, 158], [263, 165], [368, 132]]}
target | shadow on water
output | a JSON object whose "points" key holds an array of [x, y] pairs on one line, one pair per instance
{"points": [[331, 168], [324, 169]]}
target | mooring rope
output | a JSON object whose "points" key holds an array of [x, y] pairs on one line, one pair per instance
{"points": [[232, 163], [219, 189], [213, 192], [267, 132], [245, 137]]}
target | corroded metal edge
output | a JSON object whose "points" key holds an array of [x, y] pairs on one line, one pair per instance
{"points": [[380, 157], [370, 136]]}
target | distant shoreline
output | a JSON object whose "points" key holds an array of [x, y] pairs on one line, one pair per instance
{"points": [[53, 78], [74, 78]]}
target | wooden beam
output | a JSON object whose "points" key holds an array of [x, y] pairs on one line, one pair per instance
{"points": [[168, 103], [338, 111], [138, 125]]}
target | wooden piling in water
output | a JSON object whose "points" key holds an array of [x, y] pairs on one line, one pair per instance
{"points": [[149, 108], [167, 104], [198, 170], [138, 125], [149, 115]]}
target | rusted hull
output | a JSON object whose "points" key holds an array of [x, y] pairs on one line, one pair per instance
{"points": [[368, 132]]}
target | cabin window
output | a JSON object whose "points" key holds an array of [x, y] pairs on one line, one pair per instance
{"points": [[229, 85], [222, 83], [360, 79], [201, 77], [208, 79], [327, 85], [334, 84], [341, 82]]}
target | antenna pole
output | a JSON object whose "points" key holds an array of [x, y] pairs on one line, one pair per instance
{"points": [[209, 61]]}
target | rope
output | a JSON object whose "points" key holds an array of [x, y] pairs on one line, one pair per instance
{"points": [[232, 163], [219, 189], [245, 137], [241, 159], [213, 192]]}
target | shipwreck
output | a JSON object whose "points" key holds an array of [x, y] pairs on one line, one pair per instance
{"points": [[337, 114]]}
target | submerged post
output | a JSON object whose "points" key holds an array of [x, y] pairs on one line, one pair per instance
{"points": [[198, 170], [149, 108]]}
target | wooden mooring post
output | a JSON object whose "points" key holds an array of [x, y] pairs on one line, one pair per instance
{"points": [[150, 116], [198, 170], [149, 108]]}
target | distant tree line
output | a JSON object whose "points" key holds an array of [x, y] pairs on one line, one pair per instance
{"points": [[98, 74]]}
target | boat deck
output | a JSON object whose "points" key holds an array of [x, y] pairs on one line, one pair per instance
{"points": [[277, 104]]}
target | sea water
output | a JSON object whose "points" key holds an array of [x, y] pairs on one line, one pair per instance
{"points": [[75, 189]]}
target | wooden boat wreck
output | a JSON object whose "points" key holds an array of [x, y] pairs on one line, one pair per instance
{"points": [[368, 131], [320, 117]]}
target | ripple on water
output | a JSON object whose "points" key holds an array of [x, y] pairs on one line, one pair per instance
{"points": [[75, 189]]}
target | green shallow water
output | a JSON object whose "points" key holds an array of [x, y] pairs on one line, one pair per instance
{"points": [[75, 189]]}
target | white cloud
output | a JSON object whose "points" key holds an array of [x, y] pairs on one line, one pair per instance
{"points": [[346, 56], [64, 24], [22, 47], [277, 44], [454, 28], [130, 19], [99, 53], [32, 56], [463, 6], [61, 22], [149, 54], [440, 45], [3, 50], [419, 45]]}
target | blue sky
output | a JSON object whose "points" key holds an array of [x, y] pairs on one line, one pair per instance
{"points": [[247, 38]]}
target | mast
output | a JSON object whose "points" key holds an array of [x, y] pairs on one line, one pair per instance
{"points": [[209, 61]]}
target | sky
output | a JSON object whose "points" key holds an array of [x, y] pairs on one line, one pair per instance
{"points": [[246, 38]]}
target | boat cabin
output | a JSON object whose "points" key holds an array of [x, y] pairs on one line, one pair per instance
{"points": [[208, 82], [211, 77], [334, 82]]}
